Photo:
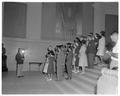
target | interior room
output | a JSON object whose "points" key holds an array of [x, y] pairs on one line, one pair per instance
{"points": [[34, 26]]}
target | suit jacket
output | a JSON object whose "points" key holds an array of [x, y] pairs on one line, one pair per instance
{"points": [[19, 58], [91, 48]]}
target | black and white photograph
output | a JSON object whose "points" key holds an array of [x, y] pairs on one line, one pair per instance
{"points": [[59, 47]]}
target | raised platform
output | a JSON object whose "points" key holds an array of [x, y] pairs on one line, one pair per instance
{"points": [[34, 82]]}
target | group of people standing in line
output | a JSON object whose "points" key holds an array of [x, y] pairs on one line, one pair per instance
{"points": [[84, 52]]}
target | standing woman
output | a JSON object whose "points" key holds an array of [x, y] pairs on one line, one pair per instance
{"points": [[51, 61], [101, 46], [20, 60], [45, 69], [83, 57], [96, 39]]}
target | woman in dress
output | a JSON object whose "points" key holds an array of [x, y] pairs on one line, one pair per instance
{"points": [[101, 46], [51, 61], [83, 57], [96, 39], [45, 69]]}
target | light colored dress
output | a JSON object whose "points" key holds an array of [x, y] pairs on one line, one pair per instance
{"points": [[73, 61], [83, 56], [101, 47], [46, 65]]}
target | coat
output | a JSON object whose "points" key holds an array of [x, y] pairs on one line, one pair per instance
{"points": [[19, 58], [69, 63], [60, 63]]}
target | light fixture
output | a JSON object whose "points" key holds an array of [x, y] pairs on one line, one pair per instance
{"points": [[23, 51]]}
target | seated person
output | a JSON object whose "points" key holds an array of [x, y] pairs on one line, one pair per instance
{"points": [[108, 82]]}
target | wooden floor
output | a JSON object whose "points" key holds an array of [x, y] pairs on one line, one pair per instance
{"points": [[35, 83]]}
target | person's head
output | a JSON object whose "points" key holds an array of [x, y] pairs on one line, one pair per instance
{"points": [[91, 34], [83, 42], [92, 37], [49, 48], [81, 38], [114, 36], [19, 50], [102, 33], [96, 35], [74, 41], [89, 37]]}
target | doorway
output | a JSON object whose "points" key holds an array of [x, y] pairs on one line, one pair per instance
{"points": [[111, 24]]}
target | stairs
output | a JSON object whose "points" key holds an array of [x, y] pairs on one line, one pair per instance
{"points": [[35, 83], [80, 83]]}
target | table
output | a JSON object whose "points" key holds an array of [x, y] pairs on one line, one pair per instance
{"points": [[35, 63]]}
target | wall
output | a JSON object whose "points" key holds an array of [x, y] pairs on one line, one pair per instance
{"points": [[14, 23], [100, 9], [53, 27], [87, 18], [34, 46], [34, 21], [35, 51]]}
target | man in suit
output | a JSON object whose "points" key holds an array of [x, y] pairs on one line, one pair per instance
{"points": [[60, 63], [69, 63], [91, 50]]}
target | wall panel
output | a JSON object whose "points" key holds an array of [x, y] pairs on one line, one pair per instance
{"points": [[14, 24]]}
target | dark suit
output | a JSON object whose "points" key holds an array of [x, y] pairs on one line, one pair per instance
{"points": [[69, 63], [77, 53], [91, 50]]}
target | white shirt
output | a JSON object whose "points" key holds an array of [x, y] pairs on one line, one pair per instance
{"points": [[115, 50]]}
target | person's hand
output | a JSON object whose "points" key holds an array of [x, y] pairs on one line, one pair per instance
{"points": [[109, 52]]}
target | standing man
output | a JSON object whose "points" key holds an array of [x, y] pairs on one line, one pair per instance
{"points": [[69, 63], [20, 60], [78, 46], [60, 63], [91, 50]]}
